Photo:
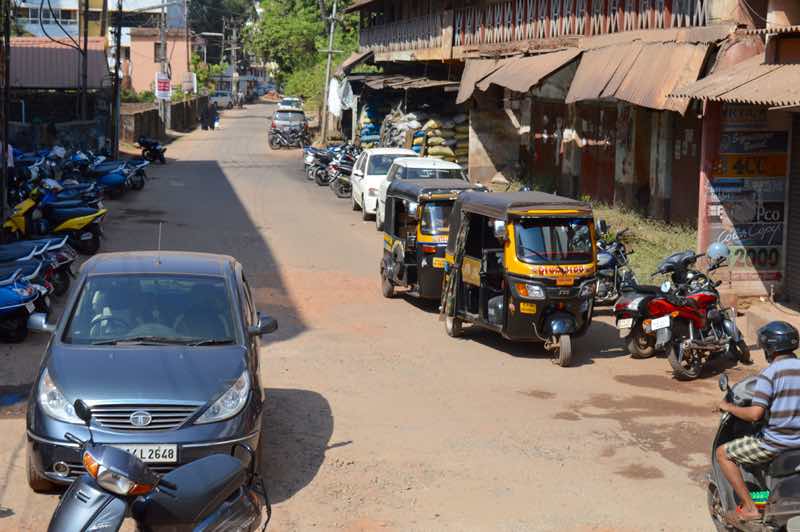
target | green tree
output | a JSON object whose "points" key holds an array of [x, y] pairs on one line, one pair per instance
{"points": [[207, 74]]}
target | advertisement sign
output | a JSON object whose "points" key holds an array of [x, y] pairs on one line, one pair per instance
{"points": [[752, 165], [163, 86]]}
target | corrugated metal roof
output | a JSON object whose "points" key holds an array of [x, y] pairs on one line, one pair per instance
{"points": [[657, 70], [522, 73], [39, 63], [750, 82], [400, 82], [355, 59], [698, 35], [768, 31], [474, 71], [597, 69], [357, 5]]}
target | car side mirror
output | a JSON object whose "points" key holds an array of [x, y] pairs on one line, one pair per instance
{"points": [[37, 322], [723, 382], [83, 411], [265, 325]]}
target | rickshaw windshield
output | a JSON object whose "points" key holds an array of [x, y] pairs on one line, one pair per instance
{"points": [[554, 240], [435, 218]]}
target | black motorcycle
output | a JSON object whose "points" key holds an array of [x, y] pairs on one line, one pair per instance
{"points": [[775, 486], [288, 138], [152, 150], [613, 268], [218, 492]]}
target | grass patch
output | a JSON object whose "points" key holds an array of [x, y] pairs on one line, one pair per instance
{"points": [[651, 240]]}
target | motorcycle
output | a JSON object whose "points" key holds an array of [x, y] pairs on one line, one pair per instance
{"points": [[218, 492], [152, 150], [288, 138], [775, 486], [18, 298], [613, 267], [341, 185]]}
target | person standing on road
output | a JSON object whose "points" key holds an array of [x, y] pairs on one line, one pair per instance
{"points": [[214, 115], [777, 391]]}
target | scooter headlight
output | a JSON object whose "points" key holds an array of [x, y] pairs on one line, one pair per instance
{"points": [[53, 402], [111, 480]]}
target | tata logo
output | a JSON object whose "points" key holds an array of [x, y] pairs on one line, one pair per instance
{"points": [[564, 292], [140, 418]]}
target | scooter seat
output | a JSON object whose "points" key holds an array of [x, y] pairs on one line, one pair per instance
{"points": [[62, 215], [202, 486], [65, 204], [785, 464]]}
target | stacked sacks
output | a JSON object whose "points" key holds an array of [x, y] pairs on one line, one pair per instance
{"points": [[441, 138], [369, 125], [398, 127], [418, 144], [461, 138]]}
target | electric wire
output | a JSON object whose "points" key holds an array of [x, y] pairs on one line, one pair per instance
{"points": [[76, 46], [755, 14]]}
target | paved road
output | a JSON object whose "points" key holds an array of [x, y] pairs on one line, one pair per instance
{"points": [[376, 419]]}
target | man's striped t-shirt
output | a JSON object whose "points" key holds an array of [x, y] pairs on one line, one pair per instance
{"points": [[778, 391]]}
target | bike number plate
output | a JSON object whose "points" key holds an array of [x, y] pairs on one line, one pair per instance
{"points": [[625, 323], [660, 323], [162, 454], [30, 306]]}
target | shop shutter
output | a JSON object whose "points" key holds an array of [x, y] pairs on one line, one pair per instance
{"points": [[792, 283]]}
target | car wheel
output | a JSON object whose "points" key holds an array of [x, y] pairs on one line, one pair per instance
{"points": [[37, 482]]}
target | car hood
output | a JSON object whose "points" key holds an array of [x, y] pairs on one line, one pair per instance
{"points": [[145, 374]]}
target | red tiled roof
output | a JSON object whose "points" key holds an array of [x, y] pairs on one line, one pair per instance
{"points": [[39, 63]]}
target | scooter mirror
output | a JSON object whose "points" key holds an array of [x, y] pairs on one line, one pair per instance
{"points": [[83, 411], [723, 382]]}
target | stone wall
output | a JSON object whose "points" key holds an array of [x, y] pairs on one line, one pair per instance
{"points": [[141, 120]]}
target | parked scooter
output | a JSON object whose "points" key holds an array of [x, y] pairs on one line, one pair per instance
{"points": [[218, 492], [152, 150], [775, 484], [613, 268], [17, 302]]}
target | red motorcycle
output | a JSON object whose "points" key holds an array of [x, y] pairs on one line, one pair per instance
{"points": [[685, 318]]}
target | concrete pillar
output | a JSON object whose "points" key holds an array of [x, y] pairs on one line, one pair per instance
{"points": [[709, 154], [661, 146], [624, 155]]}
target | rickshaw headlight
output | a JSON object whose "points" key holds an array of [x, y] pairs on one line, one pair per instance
{"points": [[587, 290], [531, 291]]}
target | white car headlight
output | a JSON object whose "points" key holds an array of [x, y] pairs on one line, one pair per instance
{"points": [[231, 402], [53, 401]]}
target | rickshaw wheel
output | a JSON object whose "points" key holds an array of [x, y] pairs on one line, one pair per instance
{"points": [[453, 326], [387, 288], [564, 350]]}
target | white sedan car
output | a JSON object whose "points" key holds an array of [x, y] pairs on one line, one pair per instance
{"points": [[415, 168], [369, 172]]}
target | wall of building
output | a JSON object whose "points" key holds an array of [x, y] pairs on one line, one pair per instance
{"points": [[144, 67], [493, 137]]}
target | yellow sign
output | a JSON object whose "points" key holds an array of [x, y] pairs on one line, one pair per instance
{"points": [[438, 262], [772, 165], [527, 308]]}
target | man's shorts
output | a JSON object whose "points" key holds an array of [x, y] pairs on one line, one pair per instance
{"points": [[748, 450]]}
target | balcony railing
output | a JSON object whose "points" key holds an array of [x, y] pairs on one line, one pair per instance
{"points": [[410, 34], [47, 22]]}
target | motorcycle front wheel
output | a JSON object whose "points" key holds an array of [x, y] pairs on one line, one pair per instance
{"points": [[639, 344], [742, 351], [685, 365], [715, 509]]}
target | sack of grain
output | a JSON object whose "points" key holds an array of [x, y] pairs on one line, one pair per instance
{"points": [[462, 136], [431, 124], [450, 143], [441, 150], [435, 141], [444, 133], [418, 141]]}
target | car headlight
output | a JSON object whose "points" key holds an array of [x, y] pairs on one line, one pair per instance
{"points": [[531, 291], [231, 402], [53, 401]]}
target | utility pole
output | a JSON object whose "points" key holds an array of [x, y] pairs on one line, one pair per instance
{"points": [[117, 95], [186, 27], [332, 28], [235, 65], [163, 105], [85, 63], [6, 46]]}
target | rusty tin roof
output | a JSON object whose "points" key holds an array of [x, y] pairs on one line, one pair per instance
{"points": [[474, 71], [39, 63], [522, 73]]}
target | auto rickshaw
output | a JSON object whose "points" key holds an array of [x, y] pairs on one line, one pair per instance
{"points": [[415, 234], [521, 264]]}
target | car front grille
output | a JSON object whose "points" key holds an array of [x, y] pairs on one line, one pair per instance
{"points": [[162, 417], [76, 469]]}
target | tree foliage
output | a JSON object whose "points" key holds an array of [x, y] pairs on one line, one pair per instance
{"points": [[207, 74]]}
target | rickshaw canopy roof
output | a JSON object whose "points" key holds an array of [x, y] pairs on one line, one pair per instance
{"points": [[501, 205], [413, 189]]}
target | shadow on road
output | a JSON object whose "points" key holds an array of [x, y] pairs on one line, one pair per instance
{"points": [[296, 430]]}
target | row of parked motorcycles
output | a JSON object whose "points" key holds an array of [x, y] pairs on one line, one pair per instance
{"points": [[57, 214], [684, 318], [332, 166]]}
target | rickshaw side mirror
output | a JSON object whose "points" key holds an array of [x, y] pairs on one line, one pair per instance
{"points": [[499, 227]]}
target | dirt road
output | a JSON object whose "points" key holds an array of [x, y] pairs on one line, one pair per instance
{"points": [[377, 419]]}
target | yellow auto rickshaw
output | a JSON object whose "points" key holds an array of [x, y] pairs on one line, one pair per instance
{"points": [[415, 234], [521, 264]]}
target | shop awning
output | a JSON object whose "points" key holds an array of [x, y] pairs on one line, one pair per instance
{"points": [[522, 73], [750, 82], [355, 59], [474, 71], [639, 73], [400, 82], [358, 5], [769, 31]]}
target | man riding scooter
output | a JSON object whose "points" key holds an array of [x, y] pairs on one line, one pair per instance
{"points": [[776, 392]]}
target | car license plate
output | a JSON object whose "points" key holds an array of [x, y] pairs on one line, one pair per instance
{"points": [[438, 262], [152, 453], [30, 306], [660, 323], [625, 323]]}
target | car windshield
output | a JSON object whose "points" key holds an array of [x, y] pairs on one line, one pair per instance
{"points": [[435, 218], [152, 309], [434, 173], [543, 241], [289, 116], [380, 164]]}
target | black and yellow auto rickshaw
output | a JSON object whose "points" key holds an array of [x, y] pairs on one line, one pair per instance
{"points": [[521, 264], [415, 234]]}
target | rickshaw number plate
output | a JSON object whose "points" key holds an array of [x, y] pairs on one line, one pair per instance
{"points": [[565, 282], [660, 323], [438, 262], [527, 308], [626, 323]]}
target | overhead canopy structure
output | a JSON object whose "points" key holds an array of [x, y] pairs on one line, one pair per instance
{"points": [[355, 59], [39, 63], [474, 71], [751, 82], [640, 73], [500, 204], [522, 73], [357, 5], [400, 82]]}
